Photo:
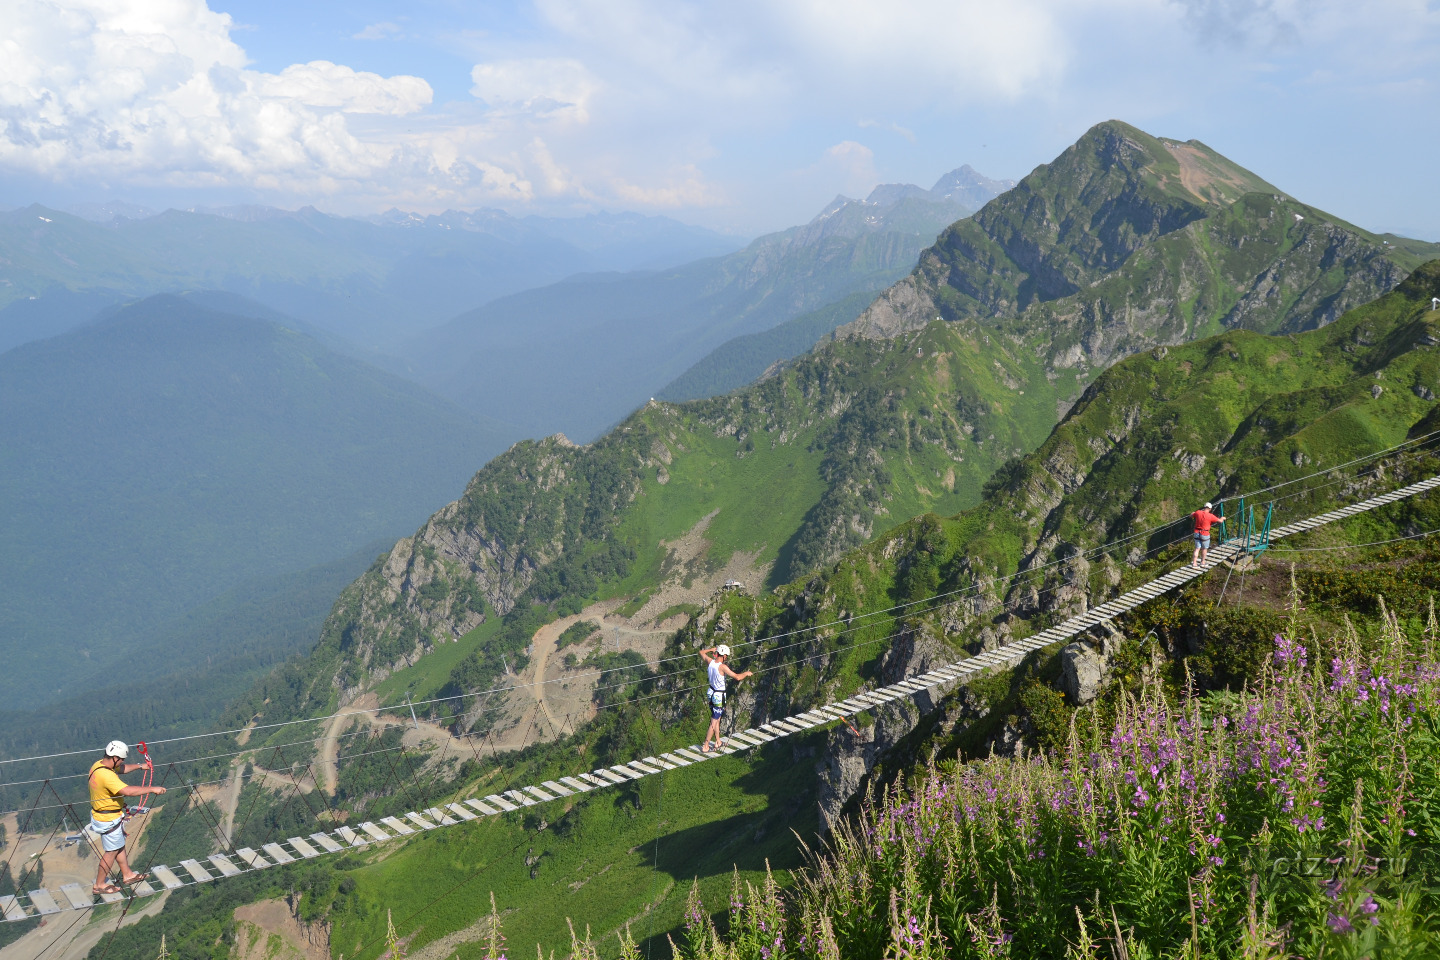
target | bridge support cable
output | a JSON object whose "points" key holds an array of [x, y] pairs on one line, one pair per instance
{"points": [[390, 828]]}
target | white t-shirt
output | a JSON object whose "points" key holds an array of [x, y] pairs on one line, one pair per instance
{"points": [[717, 676]]}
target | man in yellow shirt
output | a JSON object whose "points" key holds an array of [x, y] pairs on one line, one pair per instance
{"points": [[107, 813]]}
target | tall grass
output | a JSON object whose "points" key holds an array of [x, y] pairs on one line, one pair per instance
{"points": [[1299, 817]]}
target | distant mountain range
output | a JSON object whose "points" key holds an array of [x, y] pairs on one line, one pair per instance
{"points": [[578, 355], [740, 360], [166, 453], [372, 282]]}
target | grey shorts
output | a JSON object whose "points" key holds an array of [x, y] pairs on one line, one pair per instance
{"points": [[110, 832], [1202, 541]]}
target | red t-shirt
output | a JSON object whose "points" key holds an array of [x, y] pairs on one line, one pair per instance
{"points": [[1203, 519]]}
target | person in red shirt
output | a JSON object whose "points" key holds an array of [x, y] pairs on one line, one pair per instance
{"points": [[1203, 519]]}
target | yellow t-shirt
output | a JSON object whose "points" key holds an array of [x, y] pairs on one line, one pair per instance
{"points": [[105, 787]]}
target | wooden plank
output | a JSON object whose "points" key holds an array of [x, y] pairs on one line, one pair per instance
{"points": [[501, 802], [302, 848], [480, 808], [349, 835], [11, 908], [694, 756], [225, 866], [539, 794], [519, 798], [79, 897], [195, 870], [396, 825], [460, 811], [142, 889], [676, 760], [578, 785], [375, 832], [113, 897], [657, 762], [600, 781], [556, 789], [440, 816], [327, 842], [620, 773], [45, 904], [278, 853], [254, 859], [166, 876], [419, 821]]}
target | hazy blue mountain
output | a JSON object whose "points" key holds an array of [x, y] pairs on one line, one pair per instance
{"points": [[165, 453], [740, 360], [371, 281], [578, 355], [181, 674]]}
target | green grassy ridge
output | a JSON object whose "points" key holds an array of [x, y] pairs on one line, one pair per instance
{"points": [[1253, 265], [1107, 251]]}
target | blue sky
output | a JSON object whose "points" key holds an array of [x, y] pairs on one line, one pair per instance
{"points": [[745, 116]]}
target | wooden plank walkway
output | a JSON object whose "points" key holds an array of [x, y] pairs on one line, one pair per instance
{"points": [[234, 862]]}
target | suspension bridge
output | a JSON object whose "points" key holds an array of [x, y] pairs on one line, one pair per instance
{"points": [[232, 862]]}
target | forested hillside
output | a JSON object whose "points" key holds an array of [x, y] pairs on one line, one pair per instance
{"points": [[154, 460]]}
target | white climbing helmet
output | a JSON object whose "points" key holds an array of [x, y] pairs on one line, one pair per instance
{"points": [[117, 748], [723, 650]]}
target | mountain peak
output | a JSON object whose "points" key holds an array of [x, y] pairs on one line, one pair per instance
{"points": [[970, 187], [1187, 170]]}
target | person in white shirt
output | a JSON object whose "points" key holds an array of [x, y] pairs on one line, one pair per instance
{"points": [[718, 669]]}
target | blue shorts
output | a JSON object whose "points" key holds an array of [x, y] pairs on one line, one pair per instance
{"points": [[1202, 541], [717, 704]]}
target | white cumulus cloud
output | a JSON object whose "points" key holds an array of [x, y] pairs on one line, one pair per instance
{"points": [[558, 88], [157, 89]]}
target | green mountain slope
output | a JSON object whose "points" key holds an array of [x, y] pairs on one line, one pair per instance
{"points": [[155, 459], [1127, 241], [879, 424], [613, 341], [1142, 447]]}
